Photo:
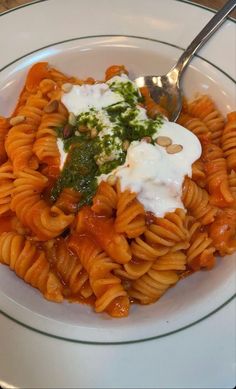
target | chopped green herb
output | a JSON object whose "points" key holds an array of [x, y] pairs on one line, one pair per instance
{"points": [[79, 172], [127, 90], [90, 156]]}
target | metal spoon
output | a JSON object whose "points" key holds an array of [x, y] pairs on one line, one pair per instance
{"points": [[166, 89]]}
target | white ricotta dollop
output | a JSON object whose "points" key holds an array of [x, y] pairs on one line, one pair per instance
{"points": [[121, 78], [81, 98], [157, 176]]}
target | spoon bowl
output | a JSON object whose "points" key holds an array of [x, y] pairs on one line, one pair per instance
{"points": [[166, 89]]}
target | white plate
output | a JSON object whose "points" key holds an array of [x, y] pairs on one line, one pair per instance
{"points": [[84, 38]]}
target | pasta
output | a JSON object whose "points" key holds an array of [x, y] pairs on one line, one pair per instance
{"points": [[204, 109], [71, 226], [29, 263], [228, 141]]}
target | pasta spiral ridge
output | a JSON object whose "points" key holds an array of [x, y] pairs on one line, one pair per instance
{"points": [[167, 231], [4, 127], [204, 109], [198, 173], [160, 277], [200, 254], [224, 239], [70, 269], [217, 176], [232, 185], [130, 215], [45, 145], [30, 264], [20, 138], [45, 222], [196, 200], [196, 126], [103, 232], [105, 200], [228, 141], [18, 144], [68, 201], [6, 187], [110, 294]]}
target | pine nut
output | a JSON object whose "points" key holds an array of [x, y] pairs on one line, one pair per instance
{"points": [[67, 131], [72, 119], [111, 180], [51, 107], [125, 145], [146, 139], [16, 120], [163, 141], [66, 87], [93, 133], [173, 149], [83, 128]]}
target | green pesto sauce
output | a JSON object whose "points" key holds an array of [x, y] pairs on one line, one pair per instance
{"points": [[89, 157], [79, 172], [127, 90]]}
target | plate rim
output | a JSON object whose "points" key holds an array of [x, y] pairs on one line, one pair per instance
{"points": [[180, 1], [107, 343], [137, 37], [146, 338], [116, 36]]}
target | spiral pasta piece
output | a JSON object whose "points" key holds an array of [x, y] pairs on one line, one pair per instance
{"points": [[196, 200], [232, 185], [30, 264], [160, 277], [195, 125], [115, 70], [68, 201], [130, 215], [6, 187], [20, 138], [204, 109], [4, 127], [45, 145], [45, 222], [103, 232], [167, 231], [198, 173], [217, 177], [110, 294], [50, 89], [105, 200], [70, 269], [113, 252], [184, 117], [223, 231], [19, 142], [228, 141], [200, 253]]}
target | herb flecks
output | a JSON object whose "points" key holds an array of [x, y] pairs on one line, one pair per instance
{"points": [[79, 172], [96, 140]]}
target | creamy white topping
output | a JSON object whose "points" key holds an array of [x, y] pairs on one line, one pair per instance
{"points": [[149, 170], [157, 176], [122, 78], [83, 97]]}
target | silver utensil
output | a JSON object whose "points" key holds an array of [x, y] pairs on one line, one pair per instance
{"points": [[166, 89]]}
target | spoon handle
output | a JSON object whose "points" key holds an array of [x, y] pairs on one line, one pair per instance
{"points": [[203, 36]]}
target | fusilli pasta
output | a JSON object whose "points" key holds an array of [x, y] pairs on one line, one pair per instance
{"points": [[85, 239]]}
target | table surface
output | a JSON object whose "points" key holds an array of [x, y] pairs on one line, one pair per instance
{"points": [[80, 356], [214, 4]]}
